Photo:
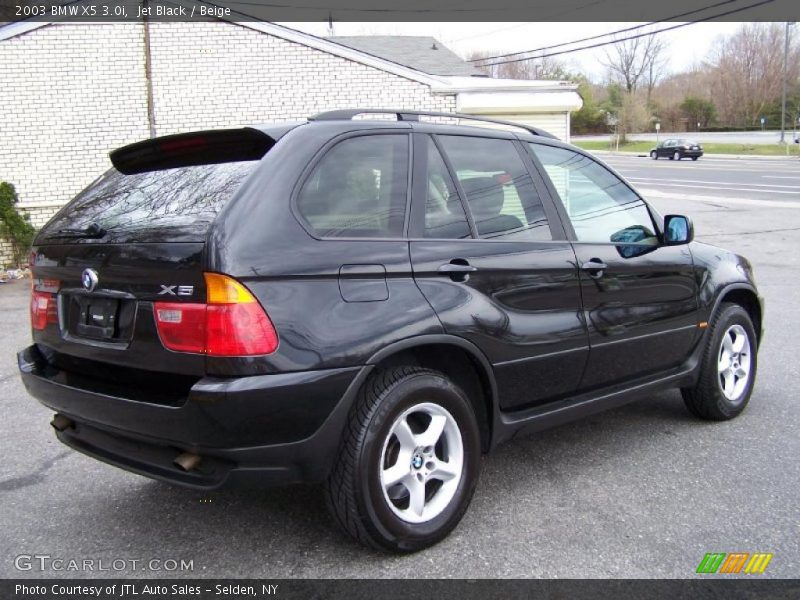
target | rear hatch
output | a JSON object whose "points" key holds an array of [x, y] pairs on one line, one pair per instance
{"points": [[134, 237]]}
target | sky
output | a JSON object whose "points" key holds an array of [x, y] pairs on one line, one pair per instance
{"points": [[686, 44]]}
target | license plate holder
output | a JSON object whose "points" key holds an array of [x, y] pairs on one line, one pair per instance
{"points": [[96, 317]]}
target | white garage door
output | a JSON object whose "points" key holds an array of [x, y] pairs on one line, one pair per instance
{"points": [[556, 123]]}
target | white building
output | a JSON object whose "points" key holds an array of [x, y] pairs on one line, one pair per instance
{"points": [[71, 93]]}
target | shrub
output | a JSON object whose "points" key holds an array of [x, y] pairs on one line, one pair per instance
{"points": [[13, 225]]}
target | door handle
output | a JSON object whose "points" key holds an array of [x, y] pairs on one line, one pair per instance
{"points": [[594, 267], [458, 269]]}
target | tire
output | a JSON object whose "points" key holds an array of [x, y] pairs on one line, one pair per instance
{"points": [[695, 157], [386, 438], [654, 155], [676, 156], [717, 396]]}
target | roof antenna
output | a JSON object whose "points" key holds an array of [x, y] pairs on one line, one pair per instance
{"points": [[330, 24], [434, 46]]}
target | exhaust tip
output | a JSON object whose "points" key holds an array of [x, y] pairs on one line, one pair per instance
{"points": [[60, 423], [188, 461]]}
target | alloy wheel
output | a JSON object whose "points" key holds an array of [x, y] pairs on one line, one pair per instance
{"points": [[421, 463], [733, 364]]}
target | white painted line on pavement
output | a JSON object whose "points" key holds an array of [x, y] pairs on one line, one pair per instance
{"points": [[715, 183], [650, 193], [719, 169], [726, 189]]}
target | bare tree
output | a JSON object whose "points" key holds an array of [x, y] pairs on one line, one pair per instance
{"points": [[636, 62], [746, 72], [656, 65], [532, 68]]}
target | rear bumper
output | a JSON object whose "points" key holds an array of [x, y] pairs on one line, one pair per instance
{"points": [[282, 428]]}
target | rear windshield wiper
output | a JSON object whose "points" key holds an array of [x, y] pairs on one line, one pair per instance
{"points": [[92, 231]]}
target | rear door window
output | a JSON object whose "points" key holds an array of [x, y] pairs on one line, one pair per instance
{"points": [[444, 214], [499, 190], [170, 205], [358, 189]]}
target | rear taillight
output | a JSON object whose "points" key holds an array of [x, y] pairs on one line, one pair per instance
{"points": [[230, 323], [43, 309]]}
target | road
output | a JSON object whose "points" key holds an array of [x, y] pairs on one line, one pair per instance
{"points": [[734, 179], [641, 491], [704, 137]]}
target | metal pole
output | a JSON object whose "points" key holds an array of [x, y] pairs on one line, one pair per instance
{"points": [[783, 96], [148, 72]]}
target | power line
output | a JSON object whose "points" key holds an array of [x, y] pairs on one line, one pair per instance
{"points": [[518, 25], [595, 37], [625, 39]]}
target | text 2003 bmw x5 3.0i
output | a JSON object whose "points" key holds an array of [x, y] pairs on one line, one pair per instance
{"points": [[371, 304]]}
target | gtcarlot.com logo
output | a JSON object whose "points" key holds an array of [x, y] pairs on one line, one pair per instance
{"points": [[46, 562], [735, 562]]}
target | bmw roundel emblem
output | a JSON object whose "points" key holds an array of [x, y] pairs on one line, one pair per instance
{"points": [[89, 279]]}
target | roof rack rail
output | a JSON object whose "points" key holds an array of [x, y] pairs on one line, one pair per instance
{"points": [[414, 115]]}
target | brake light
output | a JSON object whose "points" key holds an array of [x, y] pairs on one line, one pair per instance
{"points": [[230, 323], [43, 309], [187, 143]]}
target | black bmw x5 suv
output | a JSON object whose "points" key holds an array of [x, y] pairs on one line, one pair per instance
{"points": [[371, 304]]}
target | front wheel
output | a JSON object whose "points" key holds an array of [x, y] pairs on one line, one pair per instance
{"points": [[728, 367], [408, 462], [676, 156], [695, 157], [654, 155]]}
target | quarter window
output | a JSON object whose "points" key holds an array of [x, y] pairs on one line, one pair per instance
{"points": [[500, 192], [358, 189], [600, 206]]}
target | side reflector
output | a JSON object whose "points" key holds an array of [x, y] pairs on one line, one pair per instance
{"points": [[231, 323]]}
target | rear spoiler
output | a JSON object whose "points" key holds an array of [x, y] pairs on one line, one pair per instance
{"points": [[190, 149]]}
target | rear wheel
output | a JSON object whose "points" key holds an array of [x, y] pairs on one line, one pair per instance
{"points": [[654, 155], [408, 462], [728, 368], [676, 156]]}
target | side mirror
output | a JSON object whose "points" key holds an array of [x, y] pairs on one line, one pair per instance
{"points": [[678, 230]]}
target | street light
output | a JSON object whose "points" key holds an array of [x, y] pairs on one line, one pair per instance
{"points": [[785, 76]]}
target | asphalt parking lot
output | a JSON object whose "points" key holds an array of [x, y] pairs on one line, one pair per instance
{"points": [[641, 491]]}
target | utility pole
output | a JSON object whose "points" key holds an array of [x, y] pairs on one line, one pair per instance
{"points": [[785, 77], [148, 71]]}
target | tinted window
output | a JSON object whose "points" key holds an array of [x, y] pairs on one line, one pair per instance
{"points": [[500, 192], [444, 213], [175, 204], [358, 189], [600, 206]]}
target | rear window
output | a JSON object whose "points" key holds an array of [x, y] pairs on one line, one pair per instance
{"points": [[169, 205]]}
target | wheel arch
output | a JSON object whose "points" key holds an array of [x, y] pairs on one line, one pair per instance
{"points": [[746, 297], [457, 358]]}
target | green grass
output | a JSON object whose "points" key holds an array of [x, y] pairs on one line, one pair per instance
{"points": [[745, 149]]}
